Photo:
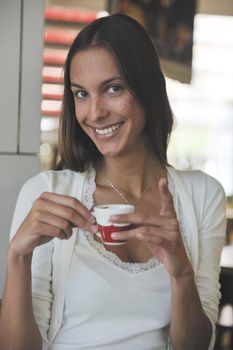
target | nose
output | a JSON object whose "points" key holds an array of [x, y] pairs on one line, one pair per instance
{"points": [[98, 109]]}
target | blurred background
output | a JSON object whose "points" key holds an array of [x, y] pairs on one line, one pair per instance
{"points": [[194, 40]]}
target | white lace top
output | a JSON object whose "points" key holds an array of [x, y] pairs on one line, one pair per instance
{"points": [[103, 279], [105, 293]]}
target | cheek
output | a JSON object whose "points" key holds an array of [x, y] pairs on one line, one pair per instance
{"points": [[79, 112], [136, 112], [128, 106]]}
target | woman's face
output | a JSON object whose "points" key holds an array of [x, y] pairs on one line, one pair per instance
{"points": [[105, 109]]}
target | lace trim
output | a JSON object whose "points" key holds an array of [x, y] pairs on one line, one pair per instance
{"points": [[179, 212], [88, 199], [112, 257], [89, 189]]}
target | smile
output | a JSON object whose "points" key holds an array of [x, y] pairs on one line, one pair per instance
{"points": [[109, 130]]}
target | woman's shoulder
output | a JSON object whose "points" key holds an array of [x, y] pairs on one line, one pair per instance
{"points": [[195, 180], [52, 175], [54, 181], [200, 190]]}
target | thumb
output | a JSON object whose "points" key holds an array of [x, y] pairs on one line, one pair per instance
{"points": [[167, 206]]}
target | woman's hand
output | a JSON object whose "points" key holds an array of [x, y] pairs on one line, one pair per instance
{"points": [[52, 215], [160, 233]]}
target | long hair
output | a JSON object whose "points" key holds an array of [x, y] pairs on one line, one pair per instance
{"points": [[140, 68]]}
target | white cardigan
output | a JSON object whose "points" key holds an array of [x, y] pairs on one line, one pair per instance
{"points": [[202, 201]]}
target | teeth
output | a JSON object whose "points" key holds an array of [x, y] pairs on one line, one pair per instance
{"points": [[108, 130]]}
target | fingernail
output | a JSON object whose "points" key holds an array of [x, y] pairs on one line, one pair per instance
{"points": [[165, 181]]}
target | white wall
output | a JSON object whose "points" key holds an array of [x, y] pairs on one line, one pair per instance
{"points": [[21, 43]]}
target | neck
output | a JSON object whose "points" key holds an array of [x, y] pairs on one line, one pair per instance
{"points": [[130, 173]]}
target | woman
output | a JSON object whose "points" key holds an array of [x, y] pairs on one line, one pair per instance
{"points": [[66, 290]]}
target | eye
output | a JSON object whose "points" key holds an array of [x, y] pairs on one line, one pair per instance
{"points": [[114, 89], [80, 94]]}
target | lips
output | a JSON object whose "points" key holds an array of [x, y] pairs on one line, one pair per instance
{"points": [[109, 130]]}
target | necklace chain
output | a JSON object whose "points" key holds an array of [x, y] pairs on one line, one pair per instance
{"points": [[123, 196]]}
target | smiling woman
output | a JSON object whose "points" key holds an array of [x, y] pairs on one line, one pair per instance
{"points": [[105, 109], [129, 80], [154, 283]]}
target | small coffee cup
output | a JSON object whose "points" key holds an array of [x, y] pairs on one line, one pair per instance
{"points": [[102, 214]]}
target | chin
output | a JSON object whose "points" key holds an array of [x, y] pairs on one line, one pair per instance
{"points": [[110, 152], [114, 149]]}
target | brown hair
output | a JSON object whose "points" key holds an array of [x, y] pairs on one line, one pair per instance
{"points": [[139, 64]]}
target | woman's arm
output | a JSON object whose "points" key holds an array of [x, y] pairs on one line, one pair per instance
{"points": [[18, 329], [191, 300], [190, 327], [51, 215]]}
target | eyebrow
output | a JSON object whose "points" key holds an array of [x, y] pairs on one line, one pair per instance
{"points": [[105, 82]]}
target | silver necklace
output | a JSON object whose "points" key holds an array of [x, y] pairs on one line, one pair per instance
{"points": [[122, 195]]}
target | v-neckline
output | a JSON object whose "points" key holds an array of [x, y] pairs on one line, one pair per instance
{"points": [[100, 249]]}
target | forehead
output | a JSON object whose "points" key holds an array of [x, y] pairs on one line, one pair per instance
{"points": [[97, 62]]}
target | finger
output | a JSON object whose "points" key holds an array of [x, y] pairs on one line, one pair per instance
{"points": [[66, 212], [45, 230], [145, 219], [167, 206], [55, 221], [147, 231], [151, 239], [70, 202]]}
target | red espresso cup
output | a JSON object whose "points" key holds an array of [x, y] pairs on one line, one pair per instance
{"points": [[102, 214]]}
